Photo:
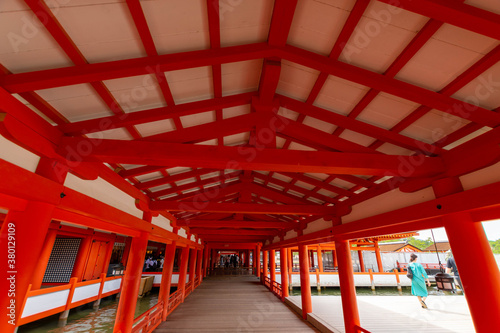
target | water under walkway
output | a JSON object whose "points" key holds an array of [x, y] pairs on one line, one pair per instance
{"points": [[233, 304], [382, 314]]}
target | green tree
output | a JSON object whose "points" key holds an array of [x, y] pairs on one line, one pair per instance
{"points": [[420, 243], [495, 246]]}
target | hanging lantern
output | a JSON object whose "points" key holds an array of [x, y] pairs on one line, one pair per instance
{"points": [[445, 282]]}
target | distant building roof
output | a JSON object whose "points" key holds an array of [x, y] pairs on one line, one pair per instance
{"points": [[441, 247], [398, 247]]}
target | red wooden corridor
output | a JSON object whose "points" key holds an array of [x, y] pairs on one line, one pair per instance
{"points": [[250, 126]]}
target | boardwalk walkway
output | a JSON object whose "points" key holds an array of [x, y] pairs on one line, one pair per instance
{"points": [[233, 304], [383, 314]]}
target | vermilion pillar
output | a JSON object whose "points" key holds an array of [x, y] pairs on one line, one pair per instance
{"points": [[131, 283], [362, 262], [126, 250], [183, 271], [166, 277], [81, 257], [272, 266], [28, 229], [347, 287], [305, 285], [335, 262], [284, 273], [320, 259], [199, 264], [43, 260], [379, 258], [206, 252], [192, 267], [265, 264], [477, 268], [257, 260]]}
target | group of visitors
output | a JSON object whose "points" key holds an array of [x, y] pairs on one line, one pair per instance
{"points": [[230, 260], [420, 277], [153, 264]]}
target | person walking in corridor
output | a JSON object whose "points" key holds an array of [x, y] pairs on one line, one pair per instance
{"points": [[418, 281]]}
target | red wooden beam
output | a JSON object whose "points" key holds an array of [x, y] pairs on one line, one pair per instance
{"points": [[173, 178], [245, 158], [196, 184], [392, 86], [455, 13], [204, 132], [235, 224], [243, 208], [236, 232], [44, 79], [146, 116]]}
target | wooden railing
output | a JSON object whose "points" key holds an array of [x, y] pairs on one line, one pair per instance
{"points": [[174, 300], [149, 320], [267, 282], [46, 302], [276, 289]]}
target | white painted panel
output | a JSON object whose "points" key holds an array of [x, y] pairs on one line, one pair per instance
{"points": [[329, 280], [111, 285], [157, 277], [14, 154], [45, 302], [85, 292], [175, 278]]}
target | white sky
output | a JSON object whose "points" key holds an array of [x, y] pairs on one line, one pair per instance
{"points": [[492, 229]]}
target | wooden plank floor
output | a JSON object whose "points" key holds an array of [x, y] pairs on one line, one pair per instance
{"points": [[233, 304], [383, 314]]}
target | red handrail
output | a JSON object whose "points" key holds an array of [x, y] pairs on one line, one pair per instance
{"points": [[149, 320]]}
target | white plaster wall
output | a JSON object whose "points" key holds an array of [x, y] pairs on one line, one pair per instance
{"points": [[14, 154], [103, 191], [162, 222], [387, 202]]}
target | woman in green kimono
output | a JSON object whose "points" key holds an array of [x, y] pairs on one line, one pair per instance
{"points": [[418, 282]]}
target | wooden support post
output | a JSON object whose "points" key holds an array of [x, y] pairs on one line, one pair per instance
{"points": [[109, 252], [290, 268], [28, 229], [398, 281], [43, 259], [130, 285], [347, 287], [82, 257], [272, 267], [379, 258], [192, 267], [362, 262], [372, 281], [166, 277], [199, 262], [257, 261], [206, 252], [305, 285], [335, 261], [214, 259], [126, 250], [484, 308], [181, 284], [320, 259], [284, 273], [265, 264]]}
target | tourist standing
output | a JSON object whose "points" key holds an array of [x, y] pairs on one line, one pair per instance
{"points": [[418, 281]]}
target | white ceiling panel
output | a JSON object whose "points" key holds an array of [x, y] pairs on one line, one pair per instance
{"points": [[386, 110], [449, 53], [240, 77], [296, 81], [136, 93], [317, 24], [356, 137], [102, 32], [236, 111], [157, 127], [434, 126], [112, 134], [340, 95], [380, 36], [244, 22], [189, 85], [25, 44], [76, 102], [177, 25], [198, 119]]}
